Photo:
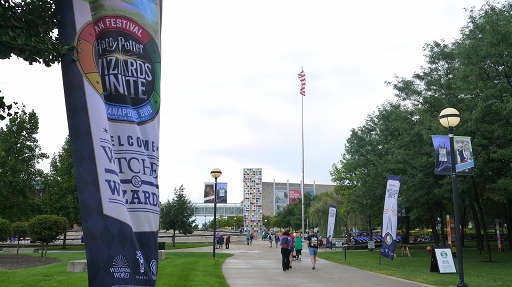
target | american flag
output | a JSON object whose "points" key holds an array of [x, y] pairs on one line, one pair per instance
{"points": [[302, 78]]}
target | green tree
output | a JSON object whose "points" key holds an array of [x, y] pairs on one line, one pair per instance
{"points": [[8, 110], [290, 217], [318, 213], [46, 229], [269, 221], [27, 30], [5, 230], [20, 177], [60, 196], [20, 230], [176, 215]]}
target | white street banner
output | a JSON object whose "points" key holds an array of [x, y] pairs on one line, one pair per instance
{"points": [[389, 217], [330, 225], [111, 77]]}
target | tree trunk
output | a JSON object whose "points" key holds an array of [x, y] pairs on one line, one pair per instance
{"points": [[174, 236], [508, 221], [463, 222], [443, 234], [64, 240], [484, 223], [478, 231], [434, 231], [45, 249]]}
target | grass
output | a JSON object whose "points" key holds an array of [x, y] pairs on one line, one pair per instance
{"points": [[189, 269], [199, 269], [477, 272], [51, 275]]}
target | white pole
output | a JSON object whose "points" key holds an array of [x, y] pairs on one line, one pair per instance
{"points": [[302, 182]]}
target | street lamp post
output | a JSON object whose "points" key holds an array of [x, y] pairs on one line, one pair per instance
{"points": [[215, 173], [449, 118]]}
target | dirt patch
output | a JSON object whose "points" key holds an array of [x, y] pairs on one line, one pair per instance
{"points": [[13, 262]]}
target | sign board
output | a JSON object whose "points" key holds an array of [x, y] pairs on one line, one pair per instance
{"points": [[442, 261], [371, 244], [339, 244]]}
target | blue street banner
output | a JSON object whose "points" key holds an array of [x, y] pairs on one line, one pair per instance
{"points": [[111, 78], [330, 225], [222, 192], [389, 217], [464, 155]]}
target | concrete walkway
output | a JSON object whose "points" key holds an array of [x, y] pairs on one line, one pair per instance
{"points": [[258, 265]]}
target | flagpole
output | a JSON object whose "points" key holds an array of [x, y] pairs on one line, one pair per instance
{"points": [[302, 185]]}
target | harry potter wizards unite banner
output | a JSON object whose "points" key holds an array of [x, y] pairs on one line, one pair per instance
{"points": [[111, 82], [389, 217]]}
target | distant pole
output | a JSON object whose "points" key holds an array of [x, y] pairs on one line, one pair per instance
{"points": [[214, 217], [302, 185], [215, 173]]}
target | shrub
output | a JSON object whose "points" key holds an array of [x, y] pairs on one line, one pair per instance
{"points": [[5, 230], [46, 229]]}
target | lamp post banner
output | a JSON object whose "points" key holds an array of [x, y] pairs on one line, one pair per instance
{"points": [[464, 154], [111, 78], [222, 192], [389, 217]]}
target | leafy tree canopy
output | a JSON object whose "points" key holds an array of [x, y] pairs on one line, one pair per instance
{"points": [[27, 30], [176, 215], [60, 196], [20, 177]]}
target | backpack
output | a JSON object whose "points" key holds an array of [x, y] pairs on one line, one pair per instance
{"points": [[285, 242], [314, 241]]}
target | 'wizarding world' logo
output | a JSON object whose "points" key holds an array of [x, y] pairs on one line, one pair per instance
{"points": [[121, 60]]}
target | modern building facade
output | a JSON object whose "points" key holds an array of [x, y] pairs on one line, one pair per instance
{"points": [[277, 195]]}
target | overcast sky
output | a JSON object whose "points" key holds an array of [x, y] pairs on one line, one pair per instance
{"points": [[230, 91]]}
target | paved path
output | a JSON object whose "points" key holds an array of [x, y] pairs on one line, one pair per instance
{"points": [[258, 265]]}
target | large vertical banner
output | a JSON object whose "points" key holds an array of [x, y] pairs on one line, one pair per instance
{"points": [[281, 200], [389, 217], [112, 89], [330, 223], [294, 196]]}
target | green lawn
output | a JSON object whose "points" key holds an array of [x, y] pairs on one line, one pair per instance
{"points": [[190, 269], [477, 272]]}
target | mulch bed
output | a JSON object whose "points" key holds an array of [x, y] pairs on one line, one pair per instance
{"points": [[13, 262]]}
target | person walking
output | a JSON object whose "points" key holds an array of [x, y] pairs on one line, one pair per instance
{"points": [[292, 246], [228, 240], [217, 236], [270, 239], [312, 241], [285, 242], [221, 241], [277, 237], [298, 247]]}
